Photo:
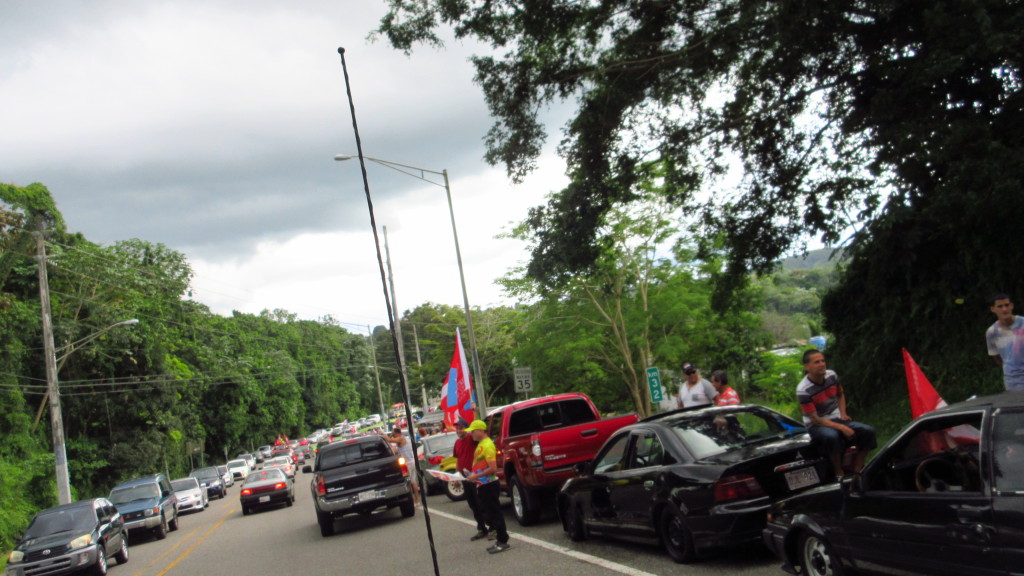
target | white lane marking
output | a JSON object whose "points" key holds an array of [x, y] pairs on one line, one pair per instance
{"points": [[613, 566]]}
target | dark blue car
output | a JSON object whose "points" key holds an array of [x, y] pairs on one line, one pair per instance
{"points": [[147, 504]]}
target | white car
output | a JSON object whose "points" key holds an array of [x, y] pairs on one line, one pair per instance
{"points": [[282, 462], [239, 468], [190, 495], [226, 475]]}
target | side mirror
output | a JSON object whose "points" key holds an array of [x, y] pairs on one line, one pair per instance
{"points": [[582, 469], [307, 469]]}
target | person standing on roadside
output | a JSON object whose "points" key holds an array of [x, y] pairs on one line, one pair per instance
{"points": [[725, 395], [485, 468], [1005, 341], [465, 450], [823, 405], [405, 451], [694, 391]]}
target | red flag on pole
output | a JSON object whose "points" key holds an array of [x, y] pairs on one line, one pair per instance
{"points": [[923, 397], [457, 392]]}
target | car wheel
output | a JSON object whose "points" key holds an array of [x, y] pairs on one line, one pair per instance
{"points": [[100, 567], [817, 558], [122, 554], [326, 524], [455, 491], [161, 530], [676, 537], [574, 526], [408, 508], [290, 501], [173, 524], [523, 504]]}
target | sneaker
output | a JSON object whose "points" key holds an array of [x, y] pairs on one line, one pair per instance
{"points": [[480, 535], [498, 547]]}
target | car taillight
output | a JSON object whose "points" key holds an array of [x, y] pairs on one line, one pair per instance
{"points": [[537, 461], [401, 462], [434, 460], [737, 487], [320, 488], [280, 486], [246, 491], [287, 468]]}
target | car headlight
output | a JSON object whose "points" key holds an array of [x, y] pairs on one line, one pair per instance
{"points": [[81, 542], [152, 511], [16, 556]]}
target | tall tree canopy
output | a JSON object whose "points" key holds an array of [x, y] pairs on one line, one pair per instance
{"points": [[836, 110]]}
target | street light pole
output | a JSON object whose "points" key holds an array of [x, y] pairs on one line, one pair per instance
{"points": [[376, 373], [481, 398]]}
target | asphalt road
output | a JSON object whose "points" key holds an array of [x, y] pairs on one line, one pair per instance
{"points": [[286, 540]]}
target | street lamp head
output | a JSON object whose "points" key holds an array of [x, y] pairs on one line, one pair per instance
{"points": [[343, 157]]}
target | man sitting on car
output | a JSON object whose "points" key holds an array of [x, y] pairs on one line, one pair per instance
{"points": [[824, 409]]}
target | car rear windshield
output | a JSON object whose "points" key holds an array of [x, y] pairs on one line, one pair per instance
{"points": [[55, 522], [267, 474], [184, 484], [716, 432], [351, 453], [237, 464], [440, 442], [126, 494], [205, 473]]}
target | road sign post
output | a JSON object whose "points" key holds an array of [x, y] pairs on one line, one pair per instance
{"points": [[654, 382], [523, 376]]}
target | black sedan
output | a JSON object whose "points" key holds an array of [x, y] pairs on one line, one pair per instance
{"points": [[267, 487], [944, 496], [71, 538], [695, 479]]}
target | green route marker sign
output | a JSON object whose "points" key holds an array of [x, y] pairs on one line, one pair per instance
{"points": [[654, 381]]}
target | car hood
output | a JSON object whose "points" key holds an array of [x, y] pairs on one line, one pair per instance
{"points": [[50, 540], [136, 505]]}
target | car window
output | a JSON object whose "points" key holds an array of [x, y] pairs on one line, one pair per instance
{"points": [[126, 494], [184, 484], [708, 433], [441, 442], [647, 451], [577, 411], [271, 474], [494, 429], [352, 453], [1008, 451], [68, 519], [612, 458], [938, 455], [525, 421]]}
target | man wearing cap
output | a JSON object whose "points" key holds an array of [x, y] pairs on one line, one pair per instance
{"points": [[695, 391], [464, 451], [485, 468]]}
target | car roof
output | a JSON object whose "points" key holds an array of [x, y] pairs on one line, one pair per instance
{"points": [[355, 440], [1013, 398], [540, 400], [140, 480]]}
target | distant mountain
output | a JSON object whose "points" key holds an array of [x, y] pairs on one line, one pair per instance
{"points": [[821, 258]]}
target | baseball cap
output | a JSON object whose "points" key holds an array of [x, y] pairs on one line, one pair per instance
{"points": [[462, 422], [689, 368], [476, 425]]}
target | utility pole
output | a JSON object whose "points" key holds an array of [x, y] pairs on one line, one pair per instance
{"points": [[419, 362], [398, 316], [376, 375], [60, 455]]}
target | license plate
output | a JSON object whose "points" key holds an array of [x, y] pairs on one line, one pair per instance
{"points": [[802, 478], [264, 499], [368, 495]]}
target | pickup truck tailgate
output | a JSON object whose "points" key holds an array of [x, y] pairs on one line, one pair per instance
{"points": [[347, 470]]}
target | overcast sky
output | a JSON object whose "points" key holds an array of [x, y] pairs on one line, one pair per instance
{"points": [[211, 126]]}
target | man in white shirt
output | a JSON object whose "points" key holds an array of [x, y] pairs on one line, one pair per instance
{"points": [[1005, 341], [694, 391]]}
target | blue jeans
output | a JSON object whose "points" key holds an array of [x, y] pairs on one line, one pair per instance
{"points": [[832, 441]]}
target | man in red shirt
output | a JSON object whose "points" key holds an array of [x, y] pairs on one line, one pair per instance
{"points": [[465, 448]]}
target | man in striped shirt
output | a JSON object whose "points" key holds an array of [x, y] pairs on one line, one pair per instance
{"points": [[824, 410]]}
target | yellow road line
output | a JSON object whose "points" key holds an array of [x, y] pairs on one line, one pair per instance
{"points": [[194, 544], [168, 551]]}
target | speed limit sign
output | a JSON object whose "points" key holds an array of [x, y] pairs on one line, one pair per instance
{"points": [[523, 376]]}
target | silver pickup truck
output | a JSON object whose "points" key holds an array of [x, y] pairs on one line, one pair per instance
{"points": [[358, 475]]}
